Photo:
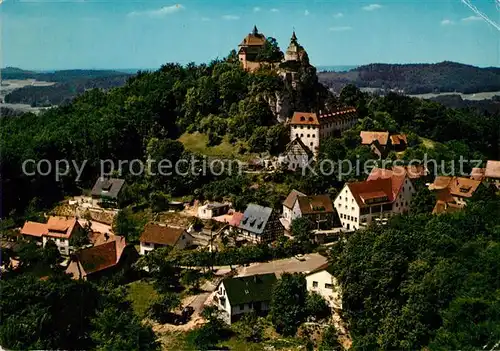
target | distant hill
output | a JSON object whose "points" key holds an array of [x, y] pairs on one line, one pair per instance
{"points": [[58, 76], [68, 84], [417, 78]]}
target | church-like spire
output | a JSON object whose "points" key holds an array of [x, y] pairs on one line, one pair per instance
{"points": [[255, 30], [294, 37]]}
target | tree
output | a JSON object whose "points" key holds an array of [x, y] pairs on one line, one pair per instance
{"points": [[288, 303], [161, 308], [329, 341], [251, 328], [423, 201], [159, 265], [210, 333], [120, 330], [301, 231], [270, 52], [191, 278], [125, 224], [316, 306]]}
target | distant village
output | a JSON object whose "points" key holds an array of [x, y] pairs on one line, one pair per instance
{"points": [[384, 194]]}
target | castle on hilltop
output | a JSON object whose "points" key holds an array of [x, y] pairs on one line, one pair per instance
{"points": [[254, 42]]}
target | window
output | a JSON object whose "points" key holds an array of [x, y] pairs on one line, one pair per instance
{"points": [[311, 144], [355, 219], [297, 135], [352, 208], [340, 197], [301, 135], [308, 135], [328, 286], [315, 284]]}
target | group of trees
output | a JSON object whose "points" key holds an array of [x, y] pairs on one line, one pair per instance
{"points": [[61, 313], [424, 281]]}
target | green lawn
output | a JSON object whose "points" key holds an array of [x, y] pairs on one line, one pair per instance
{"points": [[141, 294], [428, 143], [197, 143]]}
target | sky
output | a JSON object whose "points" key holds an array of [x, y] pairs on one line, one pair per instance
{"points": [[85, 34]]}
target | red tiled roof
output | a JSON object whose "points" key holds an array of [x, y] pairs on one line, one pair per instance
{"points": [[397, 178], [369, 137], [34, 229], [308, 118], [61, 227], [413, 171], [440, 182], [161, 234], [444, 207], [492, 169], [290, 199], [370, 186], [315, 204], [397, 139], [100, 257], [477, 174], [463, 187]]}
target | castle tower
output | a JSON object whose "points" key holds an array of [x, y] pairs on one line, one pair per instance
{"points": [[249, 49], [293, 53]]}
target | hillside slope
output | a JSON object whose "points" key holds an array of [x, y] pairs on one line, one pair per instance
{"points": [[417, 78]]}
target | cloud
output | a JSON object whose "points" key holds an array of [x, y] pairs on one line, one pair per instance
{"points": [[256, 9], [306, 13], [275, 10], [371, 7], [471, 18], [231, 17], [163, 11], [205, 19], [340, 29], [447, 22], [338, 15]]}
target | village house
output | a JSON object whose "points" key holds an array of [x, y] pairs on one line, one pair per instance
{"points": [[259, 224], [212, 210], [489, 174], [58, 229], [312, 128], [236, 296], [108, 254], [381, 143], [318, 209], [106, 191], [452, 193], [374, 200], [157, 235], [296, 155], [322, 282]]}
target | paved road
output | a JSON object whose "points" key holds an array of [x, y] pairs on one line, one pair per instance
{"points": [[290, 265]]}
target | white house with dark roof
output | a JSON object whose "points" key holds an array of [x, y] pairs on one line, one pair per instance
{"points": [[259, 224], [236, 296], [383, 195]]}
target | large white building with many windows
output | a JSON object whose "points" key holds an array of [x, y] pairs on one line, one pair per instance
{"points": [[384, 194], [312, 128]]}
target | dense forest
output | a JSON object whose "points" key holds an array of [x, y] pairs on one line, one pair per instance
{"points": [[417, 78], [424, 281]]}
